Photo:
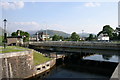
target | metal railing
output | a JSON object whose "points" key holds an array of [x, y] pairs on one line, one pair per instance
{"points": [[75, 44]]}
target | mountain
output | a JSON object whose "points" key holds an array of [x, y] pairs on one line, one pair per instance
{"points": [[50, 32], [32, 32], [85, 34], [61, 33]]}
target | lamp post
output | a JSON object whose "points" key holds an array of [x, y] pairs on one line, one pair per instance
{"points": [[37, 36], [82, 34], [5, 34]]}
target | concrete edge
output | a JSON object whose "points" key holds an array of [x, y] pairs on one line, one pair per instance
{"points": [[116, 73], [11, 54]]}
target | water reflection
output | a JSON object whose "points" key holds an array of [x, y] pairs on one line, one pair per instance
{"points": [[65, 72], [104, 57]]}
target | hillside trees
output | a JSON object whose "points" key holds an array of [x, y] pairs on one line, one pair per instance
{"points": [[75, 37], [57, 38]]}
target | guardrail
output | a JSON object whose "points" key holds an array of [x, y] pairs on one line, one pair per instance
{"points": [[75, 44]]}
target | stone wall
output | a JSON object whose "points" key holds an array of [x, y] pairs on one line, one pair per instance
{"points": [[16, 64], [0, 68], [20, 65], [43, 67]]}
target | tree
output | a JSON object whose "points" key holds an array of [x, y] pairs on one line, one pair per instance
{"points": [[14, 34], [107, 30], [25, 35], [115, 37], [75, 37], [62, 38], [55, 38], [90, 38], [95, 37]]}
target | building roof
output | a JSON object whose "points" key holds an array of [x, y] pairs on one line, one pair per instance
{"points": [[118, 28], [103, 35]]}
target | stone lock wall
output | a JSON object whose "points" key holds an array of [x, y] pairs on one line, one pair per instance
{"points": [[16, 64], [43, 67]]}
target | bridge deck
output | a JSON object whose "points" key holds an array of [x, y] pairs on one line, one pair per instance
{"points": [[74, 44]]}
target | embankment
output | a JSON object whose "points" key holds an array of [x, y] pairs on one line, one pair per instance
{"points": [[21, 65]]}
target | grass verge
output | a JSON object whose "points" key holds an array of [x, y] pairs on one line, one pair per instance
{"points": [[39, 58], [12, 49]]}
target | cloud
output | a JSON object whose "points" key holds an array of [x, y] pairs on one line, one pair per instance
{"points": [[12, 5], [13, 26], [59, 27], [27, 23], [92, 4]]}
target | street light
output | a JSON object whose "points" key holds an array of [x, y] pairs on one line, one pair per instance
{"points": [[5, 34]]}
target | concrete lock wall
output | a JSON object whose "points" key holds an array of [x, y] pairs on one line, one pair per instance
{"points": [[0, 68], [16, 64], [45, 66]]}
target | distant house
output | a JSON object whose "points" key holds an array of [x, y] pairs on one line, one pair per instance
{"points": [[14, 40], [104, 37], [117, 30], [83, 38], [32, 38], [42, 36]]}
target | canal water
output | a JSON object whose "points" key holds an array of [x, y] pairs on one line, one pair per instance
{"points": [[72, 71], [95, 66]]}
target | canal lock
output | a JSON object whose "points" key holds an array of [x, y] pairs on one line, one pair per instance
{"points": [[75, 62]]}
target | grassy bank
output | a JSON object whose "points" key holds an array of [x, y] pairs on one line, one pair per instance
{"points": [[12, 49], [39, 58], [1, 39]]}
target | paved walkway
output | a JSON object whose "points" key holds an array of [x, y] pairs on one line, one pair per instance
{"points": [[116, 73]]}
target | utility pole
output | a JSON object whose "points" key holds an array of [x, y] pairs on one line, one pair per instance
{"points": [[46, 32], [5, 34], [37, 39], [82, 31], [82, 34]]}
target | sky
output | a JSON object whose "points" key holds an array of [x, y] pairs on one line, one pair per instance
{"points": [[63, 16]]}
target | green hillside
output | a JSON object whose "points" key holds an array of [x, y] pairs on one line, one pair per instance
{"points": [[85, 34], [50, 32], [60, 33]]}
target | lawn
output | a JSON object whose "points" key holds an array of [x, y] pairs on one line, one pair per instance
{"points": [[1, 38], [12, 49], [39, 58]]}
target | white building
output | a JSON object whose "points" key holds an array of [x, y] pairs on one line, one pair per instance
{"points": [[117, 30], [43, 37], [103, 37]]}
